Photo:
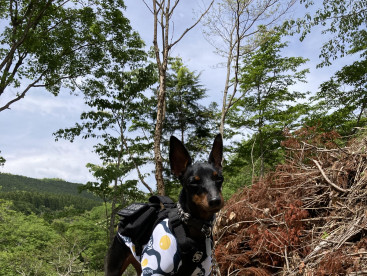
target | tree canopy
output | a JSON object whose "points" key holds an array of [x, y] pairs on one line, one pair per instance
{"points": [[50, 44], [341, 102], [345, 23], [267, 105]]}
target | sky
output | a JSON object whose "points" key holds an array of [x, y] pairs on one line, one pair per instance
{"points": [[26, 140]]}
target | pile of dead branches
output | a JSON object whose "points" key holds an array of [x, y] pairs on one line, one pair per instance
{"points": [[309, 217]]}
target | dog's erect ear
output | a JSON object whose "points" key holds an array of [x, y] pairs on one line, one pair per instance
{"points": [[179, 157], [216, 155]]}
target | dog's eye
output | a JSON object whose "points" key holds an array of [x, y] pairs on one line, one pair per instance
{"points": [[195, 188], [194, 184], [194, 181], [219, 178]]}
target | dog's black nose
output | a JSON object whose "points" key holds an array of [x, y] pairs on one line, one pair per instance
{"points": [[215, 201]]}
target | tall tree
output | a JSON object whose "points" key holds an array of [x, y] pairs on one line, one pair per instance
{"points": [[186, 116], [267, 105], [117, 105], [185, 113], [163, 42], [114, 93], [232, 28]]}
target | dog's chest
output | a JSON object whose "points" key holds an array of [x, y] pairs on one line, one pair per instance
{"points": [[160, 256]]}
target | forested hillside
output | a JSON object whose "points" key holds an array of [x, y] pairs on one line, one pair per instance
{"points": [[30, 245], [10, 182], [45, 196]]}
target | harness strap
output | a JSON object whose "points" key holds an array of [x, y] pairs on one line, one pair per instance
{"points": [[191, 252], [165, 200]]}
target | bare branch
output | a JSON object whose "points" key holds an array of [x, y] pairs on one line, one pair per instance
{"points": [[192, 26], [137, 167], [336, 187], [155, 33], [148, 7], [173, 8]]}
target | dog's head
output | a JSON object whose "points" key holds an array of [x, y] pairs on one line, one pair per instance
{"points": [[202, 182]]}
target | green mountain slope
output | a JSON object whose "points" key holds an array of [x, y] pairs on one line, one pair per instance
{"points": [[10, 182], [40, 196]]}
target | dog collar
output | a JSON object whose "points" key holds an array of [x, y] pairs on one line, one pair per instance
{"points": [[204, 226]]}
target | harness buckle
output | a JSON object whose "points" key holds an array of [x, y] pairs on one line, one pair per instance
{"points": [[197, 256], [206, 230]]}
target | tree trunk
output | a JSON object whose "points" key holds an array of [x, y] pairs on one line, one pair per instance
{"points": [[162, 12], [111, 226], [161, 100], [261, 154], [233, 44], [225, 94]]}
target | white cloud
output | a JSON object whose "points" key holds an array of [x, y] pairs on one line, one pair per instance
{"points": [[51, 160], [44, 103]]}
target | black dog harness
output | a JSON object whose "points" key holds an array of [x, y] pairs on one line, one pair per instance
{"points": [[150, 230]]}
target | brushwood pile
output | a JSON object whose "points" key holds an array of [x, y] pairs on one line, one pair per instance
{"points": [[308, 217]]}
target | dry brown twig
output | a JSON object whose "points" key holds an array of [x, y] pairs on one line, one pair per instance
{"points": [[330, 185], [336, 187]]}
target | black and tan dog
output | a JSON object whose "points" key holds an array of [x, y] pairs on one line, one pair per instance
{"points": [[199, 200]]}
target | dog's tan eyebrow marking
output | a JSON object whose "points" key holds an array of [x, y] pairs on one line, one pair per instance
{"points": [[215, 173], [197, 178]]}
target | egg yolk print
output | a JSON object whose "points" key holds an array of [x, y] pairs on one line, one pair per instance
{"points": [[165, 242]]}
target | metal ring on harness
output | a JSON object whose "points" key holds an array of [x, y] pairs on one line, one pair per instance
{"points": [[206, 228]]}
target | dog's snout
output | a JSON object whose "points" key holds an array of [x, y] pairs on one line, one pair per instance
{"points": [[215, 202]]}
